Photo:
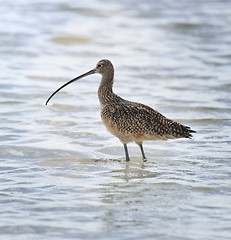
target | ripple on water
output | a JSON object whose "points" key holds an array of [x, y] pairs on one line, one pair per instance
{"points": [[63, 176], [70, 40]]}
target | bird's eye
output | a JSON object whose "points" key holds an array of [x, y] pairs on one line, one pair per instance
{"points": [[99, 65]]}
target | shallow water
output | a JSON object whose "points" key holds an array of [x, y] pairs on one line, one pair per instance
{"points": [[63, 176]]}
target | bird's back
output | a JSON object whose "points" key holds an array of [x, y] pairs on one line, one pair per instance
{"points": [[137, 122]]}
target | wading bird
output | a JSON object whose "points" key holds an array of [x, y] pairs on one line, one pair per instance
{"points": [[130, 121]]}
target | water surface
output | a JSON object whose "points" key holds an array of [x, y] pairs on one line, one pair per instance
{"points": [[63, 176]]}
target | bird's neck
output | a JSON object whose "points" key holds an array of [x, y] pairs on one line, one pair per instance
{"points": [[105, 92]]}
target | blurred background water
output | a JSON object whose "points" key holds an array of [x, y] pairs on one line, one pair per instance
{"points": [[63, 176]]}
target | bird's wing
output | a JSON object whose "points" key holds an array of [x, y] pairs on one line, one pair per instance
{"points": [[136, 118]]}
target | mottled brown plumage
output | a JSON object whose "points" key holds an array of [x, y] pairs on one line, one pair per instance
{"points": [[130, 121]]}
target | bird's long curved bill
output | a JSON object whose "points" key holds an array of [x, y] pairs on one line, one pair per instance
{"points": [[71, 81]]}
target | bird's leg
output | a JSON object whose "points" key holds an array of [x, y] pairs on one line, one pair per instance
{"points": [[142, 151], [126, 152]]}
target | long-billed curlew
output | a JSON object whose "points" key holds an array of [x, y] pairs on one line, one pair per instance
{"points": [[130, 121]]}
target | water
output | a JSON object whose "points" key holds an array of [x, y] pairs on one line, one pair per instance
{"points": [[63, 176]]}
